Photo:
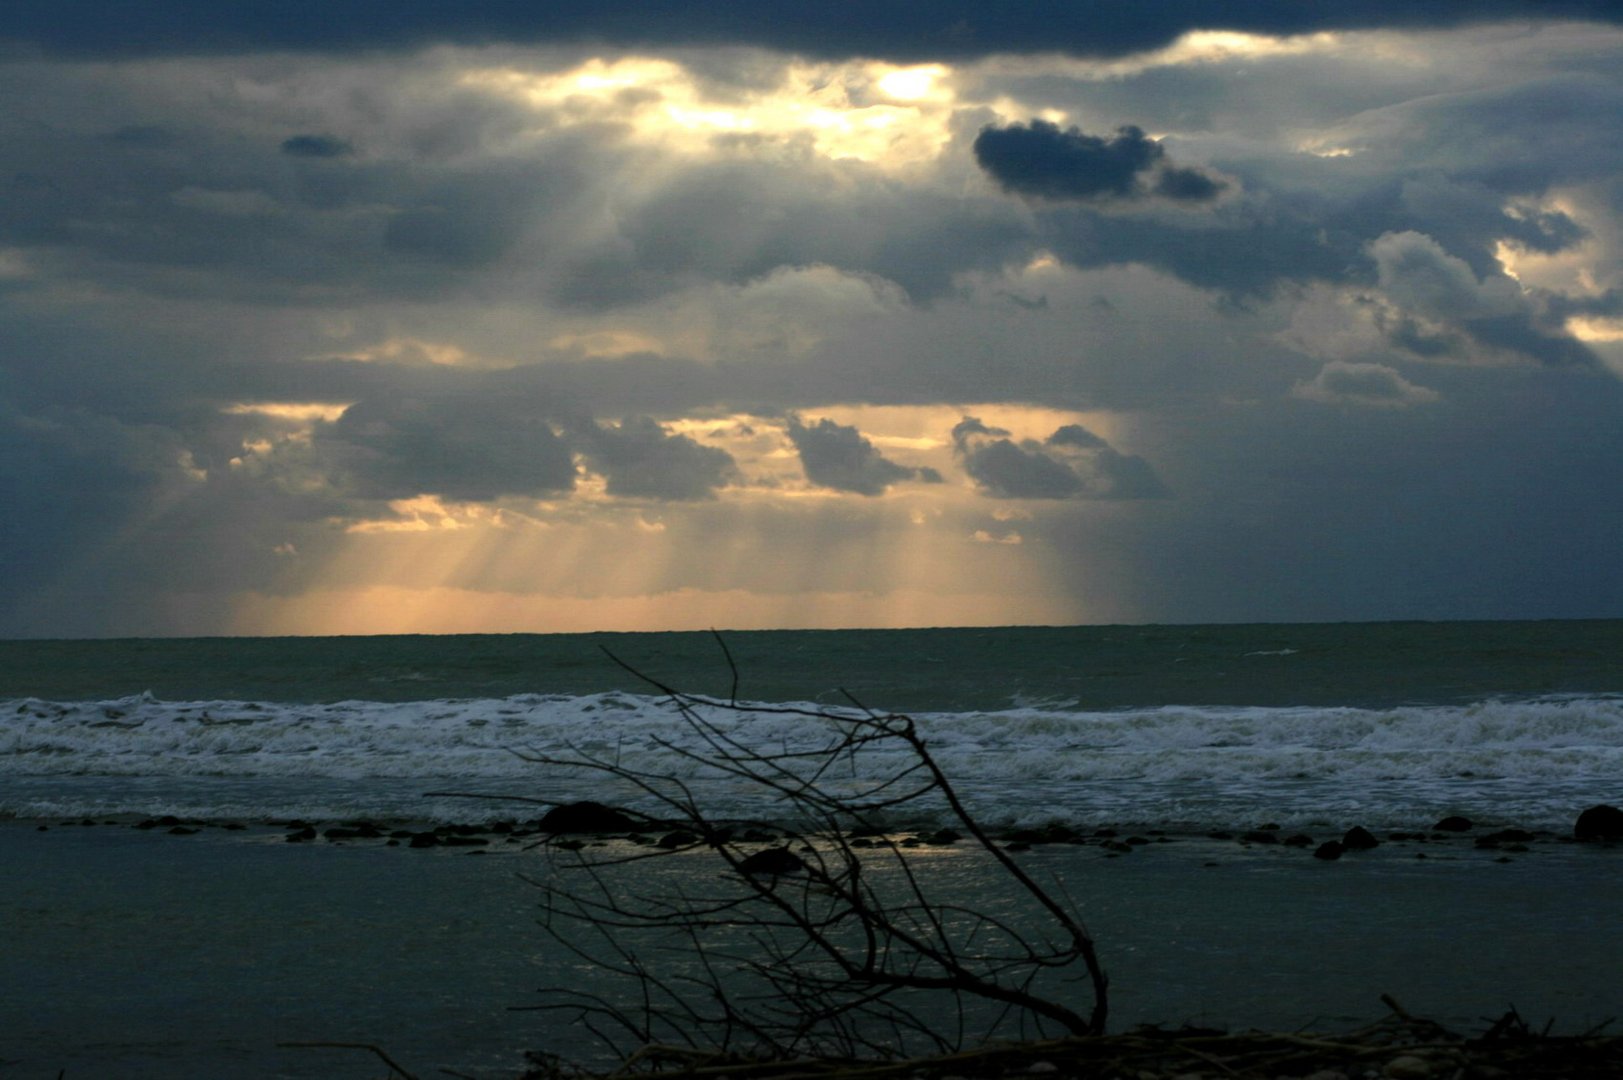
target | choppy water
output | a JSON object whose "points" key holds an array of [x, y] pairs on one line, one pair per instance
{"points": [[1181, 726]]}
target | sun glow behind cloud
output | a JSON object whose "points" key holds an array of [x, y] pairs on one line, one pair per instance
{"points": [[883, 114], [773, 550]]}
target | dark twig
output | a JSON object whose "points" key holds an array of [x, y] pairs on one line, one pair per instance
{"points": [[836, 955]]}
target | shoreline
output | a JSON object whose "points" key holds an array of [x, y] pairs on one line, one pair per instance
{"points": [[1450, 838]]}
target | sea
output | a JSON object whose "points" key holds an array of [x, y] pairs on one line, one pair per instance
{"points": [[1386, 724], [204, 944]]}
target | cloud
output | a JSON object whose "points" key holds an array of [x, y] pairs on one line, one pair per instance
{"points": [[840, 457], [1042, 161], [1376, 385], [944, 29], [316, 146], [1072, 463], [1420, 278], [640, 459], [394, 448]]}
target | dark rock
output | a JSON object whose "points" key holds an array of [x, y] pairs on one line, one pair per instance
{"points": [[945, 836], [1359, 838], [1599, 823], [1453, 823], [1105, 834], [1138, 841], [1298, 840], [337, 833], [1017, 845], [861, 841], [1260, 836], [233, 826], [424, 840], [587, 817], [462, 841], [306, 833], [1269, 827], [778, 860], [1117, 846], [1329, 850], [678, 839], [402, 834], [181, 830]]}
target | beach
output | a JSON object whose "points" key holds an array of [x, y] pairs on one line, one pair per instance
{"points": [[137, 953]]}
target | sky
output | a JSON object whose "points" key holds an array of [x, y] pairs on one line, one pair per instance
{"points": [[496, 317]]}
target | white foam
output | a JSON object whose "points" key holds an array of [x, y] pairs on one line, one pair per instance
{"points": [[1541, 755]]}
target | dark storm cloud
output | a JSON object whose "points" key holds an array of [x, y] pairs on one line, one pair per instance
{"points": [[640, 459], [316, 146], [923, 29], [839, 456], [1424, 280], [468, 450], [1041, 160], [1072, 463]]}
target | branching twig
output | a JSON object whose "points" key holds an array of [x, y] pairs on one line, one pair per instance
{"points": [[837, 954]]}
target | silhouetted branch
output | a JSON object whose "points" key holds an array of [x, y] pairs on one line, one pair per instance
{"points": [[829, 944]]}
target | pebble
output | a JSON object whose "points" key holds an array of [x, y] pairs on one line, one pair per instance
{"points": [[1408, 1067]]}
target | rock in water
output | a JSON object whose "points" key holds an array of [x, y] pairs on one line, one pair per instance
{"points": [[1329, 850], [778, 860], [1359, 838], [1599, 823], [1453, 823], [586, 817]]}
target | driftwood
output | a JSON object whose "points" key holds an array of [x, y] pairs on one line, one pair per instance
{"points": [[825, 944], [1397, 1047]]}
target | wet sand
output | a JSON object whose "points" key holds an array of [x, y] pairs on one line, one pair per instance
{"points": [[139, 953]]}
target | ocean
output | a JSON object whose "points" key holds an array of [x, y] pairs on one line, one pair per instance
{"points": [[140, 952], [1390, 725]]}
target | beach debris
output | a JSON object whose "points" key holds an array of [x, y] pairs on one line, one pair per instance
{"points": [[1400, 1047], [1603, 822], [817, 947]]}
